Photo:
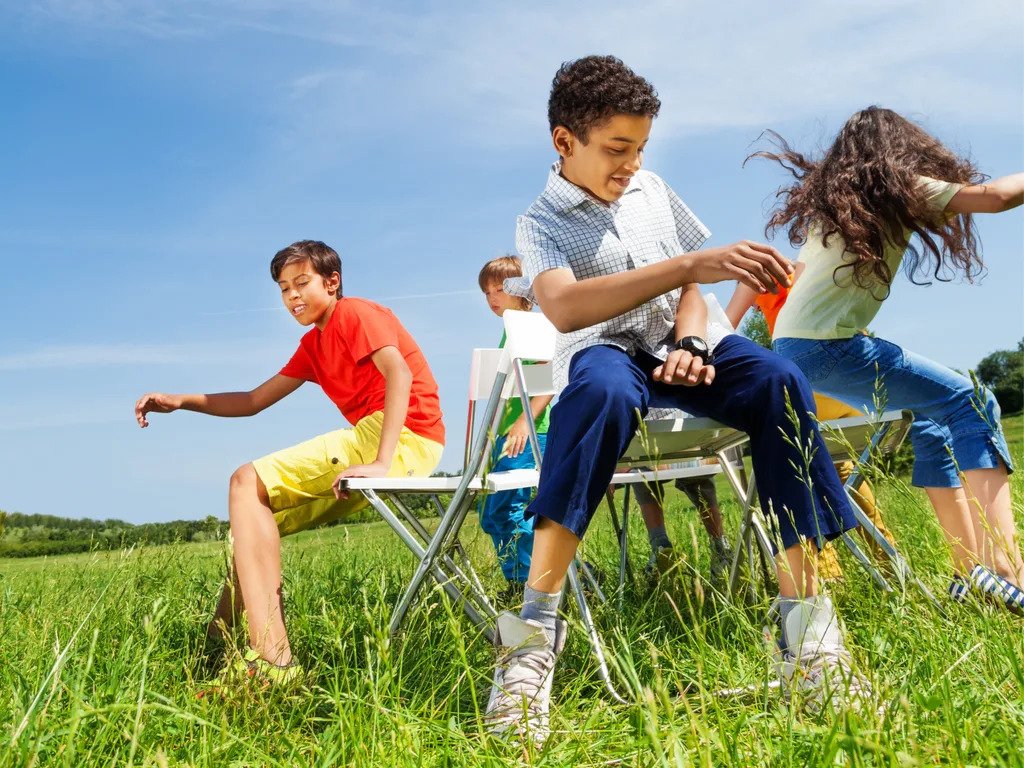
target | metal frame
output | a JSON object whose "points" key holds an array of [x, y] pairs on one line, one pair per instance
{"points": [[441, 555], [888, 429]]}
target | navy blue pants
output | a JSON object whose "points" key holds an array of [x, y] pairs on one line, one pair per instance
{"points": [[597, 414]]}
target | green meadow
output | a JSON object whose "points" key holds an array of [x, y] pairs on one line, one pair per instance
{"points": [[102, 655]]}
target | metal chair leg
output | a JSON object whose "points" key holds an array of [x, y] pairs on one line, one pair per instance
{"points": [[865, 563], [595, 639], [624, 546], [442, 578], [900, 565]]}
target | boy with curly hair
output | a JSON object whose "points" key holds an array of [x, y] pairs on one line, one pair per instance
{"points": [[610, 253]]}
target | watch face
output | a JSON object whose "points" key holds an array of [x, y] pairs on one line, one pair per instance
{"points": [[699, 344]]}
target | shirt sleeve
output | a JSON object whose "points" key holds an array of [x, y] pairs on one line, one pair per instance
{"points": [[938, 193], [300, 367], [691, 231], [537, 249], [368, 329]]}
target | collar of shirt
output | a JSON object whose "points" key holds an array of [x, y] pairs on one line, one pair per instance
{"points": [[564, 195]]}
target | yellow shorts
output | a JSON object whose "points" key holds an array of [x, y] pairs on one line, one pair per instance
{"points": [[299, 479]]}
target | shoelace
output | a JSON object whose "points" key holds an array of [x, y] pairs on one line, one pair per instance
{"points": [[525, 672]]}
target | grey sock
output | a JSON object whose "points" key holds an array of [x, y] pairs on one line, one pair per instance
{"points": [[541, 607], [658, 538], [786, 605], [721, 544]]}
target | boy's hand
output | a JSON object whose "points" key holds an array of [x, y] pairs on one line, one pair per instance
{"points": [[753, 264], [155, 402], [683, 368], [374, 469], [517, 438]]}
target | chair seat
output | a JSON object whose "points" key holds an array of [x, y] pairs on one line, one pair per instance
{"points": [[689, 437], [408, 484], [846, 438], [657, 475]]}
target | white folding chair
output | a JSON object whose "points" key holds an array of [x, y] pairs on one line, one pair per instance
{"points": [[686, 437], [440, 554], [861, 439]]}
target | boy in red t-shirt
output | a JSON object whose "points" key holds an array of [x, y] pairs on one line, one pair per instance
{"points": [[373, 370]]}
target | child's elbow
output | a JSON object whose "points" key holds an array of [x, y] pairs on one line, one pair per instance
{"points": [[1010, 200], [566, 323]]}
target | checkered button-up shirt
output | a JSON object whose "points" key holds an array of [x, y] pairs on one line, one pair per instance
{"points": [[565, 228]]}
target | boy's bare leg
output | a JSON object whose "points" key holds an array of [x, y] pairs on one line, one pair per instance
{"points": [[711, 518], [954, 514], [988, 494], [258, 564], [652, 512], [229, 608], [797, 571], [554, 548]]}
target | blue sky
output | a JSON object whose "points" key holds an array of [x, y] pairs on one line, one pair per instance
{"points": [[155, 156]]}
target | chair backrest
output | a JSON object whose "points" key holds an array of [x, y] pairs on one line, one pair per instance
{"points": [[484, 367], [530, 338], [529, 335]]}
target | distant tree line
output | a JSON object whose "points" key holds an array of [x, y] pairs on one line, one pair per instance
{"points": [[1003, 373], [25, 535]]}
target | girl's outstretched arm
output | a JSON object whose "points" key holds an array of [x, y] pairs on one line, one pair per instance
{"points": [[744, 297], [993, 196], [742, 300]]}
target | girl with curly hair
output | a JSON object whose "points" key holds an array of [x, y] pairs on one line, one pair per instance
{"points": [[886, 194]]}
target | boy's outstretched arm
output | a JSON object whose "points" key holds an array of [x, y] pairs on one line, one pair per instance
{"points": [[993, 196], [219, 404], [397, 386], [571, 304]]}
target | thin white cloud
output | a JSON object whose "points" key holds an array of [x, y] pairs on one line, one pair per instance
{"points": [[486, 68], [115, 355]]}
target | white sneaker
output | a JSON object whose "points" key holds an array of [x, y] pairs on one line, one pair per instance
{"points": [[812, 661], [521, 694]]}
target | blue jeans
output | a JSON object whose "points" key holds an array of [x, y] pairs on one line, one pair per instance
{"points": [[597, 414], [956, 427], [502, 515]]}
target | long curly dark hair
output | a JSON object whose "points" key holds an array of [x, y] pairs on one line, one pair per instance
{"points": [[865, 190]]}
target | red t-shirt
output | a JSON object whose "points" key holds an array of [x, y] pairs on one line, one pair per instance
{"points": [[338, 359]]}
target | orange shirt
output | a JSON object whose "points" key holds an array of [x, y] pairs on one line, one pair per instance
{"points": [[770, 305], [338, 359]]}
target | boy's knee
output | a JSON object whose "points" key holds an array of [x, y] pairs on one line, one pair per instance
{"points": [[245, 481], [783, 376], [612, 394], [242, 478]]}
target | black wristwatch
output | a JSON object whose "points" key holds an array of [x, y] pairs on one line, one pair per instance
{"points": [[697, 347]]}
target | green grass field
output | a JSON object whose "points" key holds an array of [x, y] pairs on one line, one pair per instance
{"points": [[101, 657]]}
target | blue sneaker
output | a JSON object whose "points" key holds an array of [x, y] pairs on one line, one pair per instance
{"points": [[994, 586]]}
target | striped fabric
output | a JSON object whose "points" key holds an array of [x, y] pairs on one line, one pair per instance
{"points": [[988, 584], [565, 228]]}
